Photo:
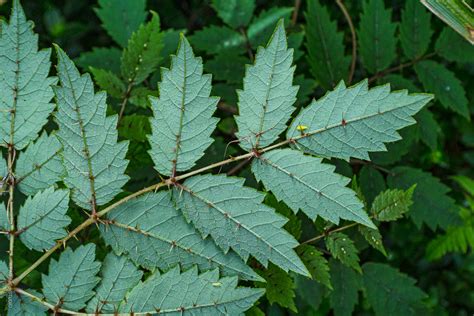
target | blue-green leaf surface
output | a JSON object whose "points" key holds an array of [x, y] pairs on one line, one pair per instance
{"points": [[304, 182], [42, 219], [182, 122], [118, 276], [236, 218], [72, 278], [95, 163], [22, 305], [24, 82], [266, 101], [351, 122], [40, 166], [154, 234], [178, 293]]}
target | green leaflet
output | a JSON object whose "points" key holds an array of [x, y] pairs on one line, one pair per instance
{"points": [[376, 36], [118, 276], [429, 128], [431, 204], [42, 219], [94, 161], [235, 13], [262, 26], [304, 182], [391, 292], [415, 29], [347, 283], [456, 239], [342, 248], [154, 234], [40, 166], [22, 305], [325, 47], [112, 14], [178, 293], [107, 58], [443, 83], [390, 205], [235, 218], [182, 123], [464, 52], [350, 122], [217, 39], [109, 82], [279, 287], [316, 264], [142, 55], [72, 278], [24, 82], [373, 237], [266, 101]]}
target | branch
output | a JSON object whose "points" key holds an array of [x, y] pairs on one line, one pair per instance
{"points": [[10, 211], [48, 305], [296, 10], [247, 43], [327, 233], [354, 39], [400, 67], [124, 102], [168, 182]]}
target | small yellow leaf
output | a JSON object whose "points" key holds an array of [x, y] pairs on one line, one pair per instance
{"points": [[301, 127]]}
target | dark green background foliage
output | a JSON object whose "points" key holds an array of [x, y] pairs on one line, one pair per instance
{"points": [[398, 42]]}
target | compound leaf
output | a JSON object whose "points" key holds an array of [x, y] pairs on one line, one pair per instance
{"points": [[391, 292], [204, 294], [266, 101], [415, 29], [235, 13], [24, 82], [182, 122], [121, 18], [431, 204], [42, 219], [304, 182], [325, 47], [95, 163], [72, 278], [142, 55], [376, 36], [443, 83], [350, 122], [40, 165], [154, 234], [236, 218], [118, 276]]}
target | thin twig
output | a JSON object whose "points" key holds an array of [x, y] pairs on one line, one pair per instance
{"points": [[124, 102], [369, 163], [11, 215], [49, 305], [238, 167], [296, 10], [325, 234], [243, 31], [354, 39], [399, 67]]}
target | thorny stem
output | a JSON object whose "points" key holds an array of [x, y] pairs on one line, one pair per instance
{"points": [[354, 38], [400, 67]]}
